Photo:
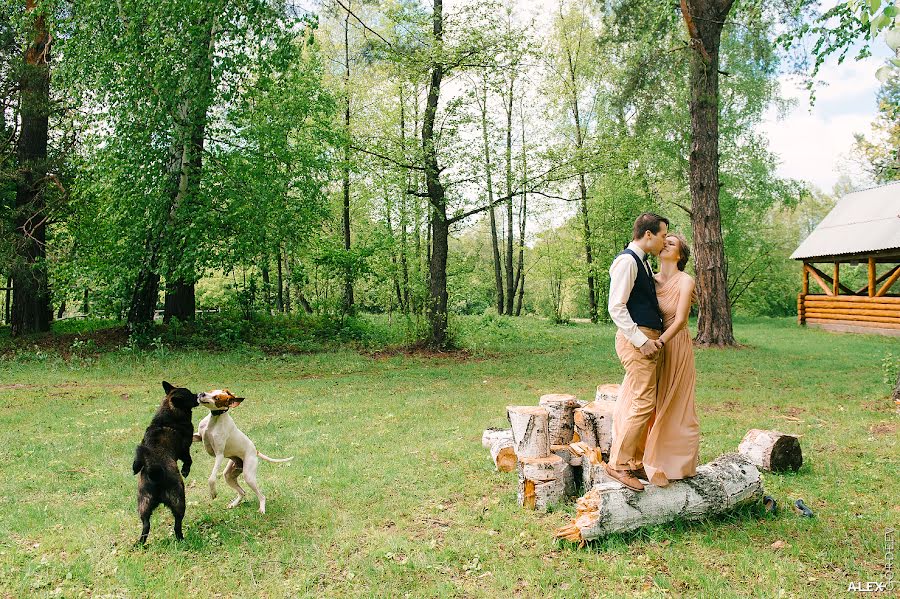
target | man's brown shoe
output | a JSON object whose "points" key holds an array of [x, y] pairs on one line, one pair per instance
{"points": [[640, 473], [625, 477]]}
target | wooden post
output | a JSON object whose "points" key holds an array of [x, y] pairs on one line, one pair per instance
{"points": [[871, 277], [836, 279], [804, 290]]}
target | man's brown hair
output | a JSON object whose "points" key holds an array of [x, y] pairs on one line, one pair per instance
{"points": [[648, 221]]}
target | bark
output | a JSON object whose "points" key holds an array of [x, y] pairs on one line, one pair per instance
{"points": [[610, 507], [771, 451], [704, 20], [510, 275], [896, 394], [31, 311], [267, 283], [593, 423], [440, 226], [544, 482], [495, 250], [348, 276], [6, 308], [561, 410], [530, 429], [609, 392], [279, 298], [523, 213], [180, 303], [501, 445], [582, 190]]}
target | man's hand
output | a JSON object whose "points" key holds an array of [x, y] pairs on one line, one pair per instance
{"points": [[650, 348]]}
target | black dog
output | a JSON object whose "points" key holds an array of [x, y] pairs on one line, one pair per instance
{"points": [[166, 440]]}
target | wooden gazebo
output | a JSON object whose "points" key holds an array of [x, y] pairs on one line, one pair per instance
{"points": [[862, 228]]}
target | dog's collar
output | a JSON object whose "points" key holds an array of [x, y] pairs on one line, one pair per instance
{"points": [[218, 412]]}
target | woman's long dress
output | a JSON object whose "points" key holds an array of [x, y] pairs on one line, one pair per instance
{"points": [[672, 445]]}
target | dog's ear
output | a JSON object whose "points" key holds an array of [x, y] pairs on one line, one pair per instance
{"points": [[167, 387], [235, 402]]}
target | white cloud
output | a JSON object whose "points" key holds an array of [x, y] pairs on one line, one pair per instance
{"points": [[814, 142]]}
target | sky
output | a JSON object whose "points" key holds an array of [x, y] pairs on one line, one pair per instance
{"points": [[814, 142]]}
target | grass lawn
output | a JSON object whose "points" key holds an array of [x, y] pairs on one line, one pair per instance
{"points": [[390, 493]]}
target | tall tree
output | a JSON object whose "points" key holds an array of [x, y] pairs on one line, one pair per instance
{"points": [[31, 310], [704, 20]]}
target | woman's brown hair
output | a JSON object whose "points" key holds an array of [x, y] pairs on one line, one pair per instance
{"points": [[684, 251]]}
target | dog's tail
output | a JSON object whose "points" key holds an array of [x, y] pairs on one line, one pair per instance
{"points": [[266, 458]]}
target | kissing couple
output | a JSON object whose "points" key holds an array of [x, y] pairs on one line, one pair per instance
{"points": [[656, 434]]}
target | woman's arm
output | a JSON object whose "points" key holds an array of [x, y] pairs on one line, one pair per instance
{"points": [[685, 294]]}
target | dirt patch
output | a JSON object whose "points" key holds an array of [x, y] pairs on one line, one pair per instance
{"points": [[883, 428], [17, 386], [61, 343]]}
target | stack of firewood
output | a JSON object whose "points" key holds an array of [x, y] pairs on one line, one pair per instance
{"points": [[562, 443], [556, 446]]}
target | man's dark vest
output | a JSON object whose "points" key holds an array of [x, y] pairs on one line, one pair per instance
{"points": [[642, 303]]}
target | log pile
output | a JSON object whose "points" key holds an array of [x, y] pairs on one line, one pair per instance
{"points": [[552, 445]]}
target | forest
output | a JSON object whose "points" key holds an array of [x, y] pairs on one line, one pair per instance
{"points": [[165, 159]]}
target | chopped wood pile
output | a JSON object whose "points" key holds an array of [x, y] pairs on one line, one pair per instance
{"points": [[562, 445]]}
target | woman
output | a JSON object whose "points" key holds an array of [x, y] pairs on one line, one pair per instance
{"points": [[673, 442]]}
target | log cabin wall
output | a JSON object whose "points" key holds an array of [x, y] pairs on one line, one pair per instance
{"points": [[824, 301]]}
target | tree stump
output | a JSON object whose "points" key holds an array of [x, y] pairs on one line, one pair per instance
{"points": [[544, 482], [530, 430], [593, 423], [608, 392], [561, 408], [609, 507], [771, 450]]}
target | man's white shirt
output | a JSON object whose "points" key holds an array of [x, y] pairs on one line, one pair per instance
{"points": [[622, 275]]}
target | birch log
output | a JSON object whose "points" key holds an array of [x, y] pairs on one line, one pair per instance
{"points": [[771, 450], [607, 393], [492, 435], [544, 482], [561, 409], [609, 507], [500, 443], [530, 430], [593, 423]]}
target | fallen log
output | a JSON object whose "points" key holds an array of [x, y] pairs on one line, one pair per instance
{"points": [[593, 423], [560, 407], [544, 482], [492, 435], [772, 451], [530, 430], [610, 507]]}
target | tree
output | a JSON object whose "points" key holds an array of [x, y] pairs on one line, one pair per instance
{"points": [[31, 292], [880, 154]]}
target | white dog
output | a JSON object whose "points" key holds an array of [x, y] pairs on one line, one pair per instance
{"points": [[222, 439]]}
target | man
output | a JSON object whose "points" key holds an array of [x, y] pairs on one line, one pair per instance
{"points": [[635, 311]]}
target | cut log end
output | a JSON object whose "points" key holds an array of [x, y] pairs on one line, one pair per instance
{"points": [[772, 451], [607, 393]]}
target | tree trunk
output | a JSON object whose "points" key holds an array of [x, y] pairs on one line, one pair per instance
{"points": [[279, 297], [31, 310], [267, 283], [495, 250], [582, 190], [348, 276], [180, 303], [704, 20], [510, 275], [440, 226], [610, 507], [9, 292], [523, 213], [143, 300]]}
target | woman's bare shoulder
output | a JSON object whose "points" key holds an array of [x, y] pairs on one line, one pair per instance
{"points": [[686, 280]]}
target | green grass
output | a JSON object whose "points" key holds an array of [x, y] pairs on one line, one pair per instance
{"points": [[391, 494]]}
